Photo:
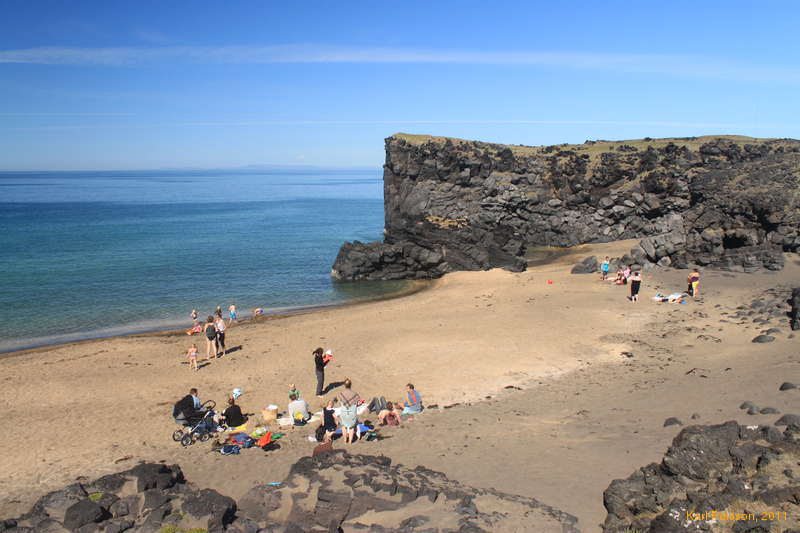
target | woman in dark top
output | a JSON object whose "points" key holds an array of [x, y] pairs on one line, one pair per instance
{"points": [[319, 368], [233, 414], [636, 282], [210, 331], [329, 421]]}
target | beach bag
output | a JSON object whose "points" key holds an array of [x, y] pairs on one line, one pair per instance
{"points": [[230, 449]]}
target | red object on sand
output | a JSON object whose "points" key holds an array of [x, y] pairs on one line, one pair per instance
{"points": [[549, 281]]}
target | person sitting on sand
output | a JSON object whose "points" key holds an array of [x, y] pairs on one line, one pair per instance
{"points": [[388, 416], [413, 403], [298, 409], [258, 311], [233, 414], [192, 355], [329, 421], [293, 390], [693, 283]]}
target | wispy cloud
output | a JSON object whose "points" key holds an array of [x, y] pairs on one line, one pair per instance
{"points": [[389, 122], [667, 64]]}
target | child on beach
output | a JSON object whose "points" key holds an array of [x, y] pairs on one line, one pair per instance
{"points": [[293, 390], [192, 355], [258, 311], [604, 269], [231, 313]]}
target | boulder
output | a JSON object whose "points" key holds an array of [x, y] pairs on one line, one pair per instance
{"points": [[588, 266], [82, 513]]}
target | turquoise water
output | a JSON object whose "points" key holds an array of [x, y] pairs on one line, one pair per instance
{"points": [[93, 254]]}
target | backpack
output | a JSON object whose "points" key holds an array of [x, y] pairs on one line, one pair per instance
{"points": [[230, 449]]}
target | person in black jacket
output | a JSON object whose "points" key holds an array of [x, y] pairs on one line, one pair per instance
{"points": [[189, 407], [320, 360], [233, 414]]}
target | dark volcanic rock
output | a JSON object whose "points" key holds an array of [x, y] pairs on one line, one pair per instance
{"points": [[795, 312], [787, 386], [724, 469], [587, 266], [466, 205], [82, 513], [328, 493], [788, 420], [672, 421], [761, 339]]}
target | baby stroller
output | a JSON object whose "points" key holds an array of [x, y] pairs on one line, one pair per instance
{"points": [[197, 426]]}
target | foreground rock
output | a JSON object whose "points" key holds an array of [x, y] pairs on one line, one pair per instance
{"points": [[724, 469], [729, 203], [323, 494], [795, 312]]}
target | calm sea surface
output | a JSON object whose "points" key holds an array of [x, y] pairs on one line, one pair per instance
{"points": [[90, 254]]}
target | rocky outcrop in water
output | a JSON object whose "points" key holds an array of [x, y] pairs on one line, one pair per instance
{"points": [[329, 493], [729, 203], [714, 478]]}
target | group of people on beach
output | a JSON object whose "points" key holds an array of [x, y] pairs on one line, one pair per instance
{"points": [[627, 276], [343, 410], [214, 330]]}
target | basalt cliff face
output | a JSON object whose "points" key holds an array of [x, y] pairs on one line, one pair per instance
{"points": [[721, 202]]}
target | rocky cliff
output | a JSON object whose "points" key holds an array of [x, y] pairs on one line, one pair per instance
{"points": [[725, 202]]}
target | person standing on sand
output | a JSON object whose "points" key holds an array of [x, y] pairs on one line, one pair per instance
{"points": [[604, 269], [231, 313], [218, 311], [349, 412], [211, 336], [320, 361], [636, 282], [193, 314], [219, 325], [694, 283], [192, 355]]}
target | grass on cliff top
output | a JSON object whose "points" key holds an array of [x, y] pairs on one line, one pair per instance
{"points": [[594, 148]]}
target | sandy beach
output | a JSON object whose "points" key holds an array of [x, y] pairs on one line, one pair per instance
{"points": [[554, 383]]}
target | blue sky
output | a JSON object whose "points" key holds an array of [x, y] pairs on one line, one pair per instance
{"points": [[134, 85]]}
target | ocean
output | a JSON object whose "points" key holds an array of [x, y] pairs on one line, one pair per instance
{"points": [[94, 254]]}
